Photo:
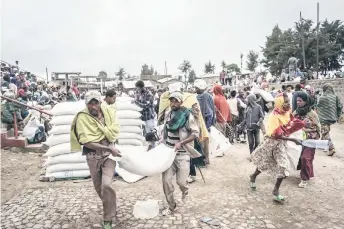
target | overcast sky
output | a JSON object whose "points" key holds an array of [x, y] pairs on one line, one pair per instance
{"points": [[90, 36]]}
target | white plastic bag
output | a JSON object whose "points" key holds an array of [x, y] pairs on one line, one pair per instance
{"points": [[70, 174], [60, 129], [57, 139], [126, 176], [66, 167], [131, 129], [131, 122], [66, 158], [29, 130], [146, 209], [62, 120], [58, 149], [68, 108], [218, 143], [294, 151], [146, 163], [128, 114]]}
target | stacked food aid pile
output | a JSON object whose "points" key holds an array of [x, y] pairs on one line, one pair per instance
{"points": [[61, 163], [129, 118]]}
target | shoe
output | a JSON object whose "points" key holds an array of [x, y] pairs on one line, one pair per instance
{"points": [[168, 211], [303, 184], [331, 153], [185, 197], [107, 225], [191, 179]]}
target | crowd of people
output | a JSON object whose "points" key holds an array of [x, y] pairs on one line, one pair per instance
{"points": [[188, 116]]}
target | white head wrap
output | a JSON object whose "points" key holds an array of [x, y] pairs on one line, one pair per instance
{"points": [[200, 84]]}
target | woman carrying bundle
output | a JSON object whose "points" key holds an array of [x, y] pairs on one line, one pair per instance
{"points": [[271, 155]]}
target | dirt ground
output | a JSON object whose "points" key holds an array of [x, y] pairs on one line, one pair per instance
{"points": [[18, 170]]}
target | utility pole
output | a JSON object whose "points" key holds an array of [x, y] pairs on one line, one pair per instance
{"points": [[241, 56], [46, 71], [303, 42], [165, 68], [318, 40]]}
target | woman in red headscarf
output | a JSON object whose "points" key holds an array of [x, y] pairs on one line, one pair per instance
{"points": [[222, 109]]}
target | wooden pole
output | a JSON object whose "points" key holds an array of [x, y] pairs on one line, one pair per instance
{"points": [[318, 40], [46, 71], [303, 42]]}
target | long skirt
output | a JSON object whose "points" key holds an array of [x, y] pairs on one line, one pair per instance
{"points": [[271, 156], [307, 158]]}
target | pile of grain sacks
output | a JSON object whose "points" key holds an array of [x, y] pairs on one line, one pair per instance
{"points": [[61, 163]]}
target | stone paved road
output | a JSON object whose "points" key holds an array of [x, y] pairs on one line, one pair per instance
{"points": [[225, 197]]}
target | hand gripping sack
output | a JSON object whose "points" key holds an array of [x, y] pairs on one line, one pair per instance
{"points": [[146, 163], [219, 144]]}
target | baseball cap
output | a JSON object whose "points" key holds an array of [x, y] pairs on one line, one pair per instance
{"points": [[176, 95], [92, 95]]}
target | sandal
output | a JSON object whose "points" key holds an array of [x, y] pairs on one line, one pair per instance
{"points": [[279, 199]]}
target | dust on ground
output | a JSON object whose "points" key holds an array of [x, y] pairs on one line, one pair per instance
{"points": [[18, 170]]}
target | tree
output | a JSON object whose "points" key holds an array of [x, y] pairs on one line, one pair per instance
{"points": [[280, 45], [192, 76], [252, 60], [102, 74], [120, 74], [223, 65], [145, 70], [233, 68], [209, 68], [185, 68]]}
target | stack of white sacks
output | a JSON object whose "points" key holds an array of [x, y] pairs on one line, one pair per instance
{"points": [[62, 163]]}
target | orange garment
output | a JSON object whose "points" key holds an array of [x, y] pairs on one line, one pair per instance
{"points": [[223, 111]]}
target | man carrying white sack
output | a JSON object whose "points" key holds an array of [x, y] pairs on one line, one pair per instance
{"points": [[96, 128], [180, 132]]}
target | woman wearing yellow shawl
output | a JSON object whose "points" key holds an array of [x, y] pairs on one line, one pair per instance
{"points": [[271, 155]]}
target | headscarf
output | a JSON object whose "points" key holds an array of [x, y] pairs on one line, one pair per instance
{"points": [[251, 100], [279, 117], [223, 113], [328, 89], [302, 111], [200, 84]]}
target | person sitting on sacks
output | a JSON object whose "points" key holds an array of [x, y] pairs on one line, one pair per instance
{"points": [[180, 131], [96, 128]]}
